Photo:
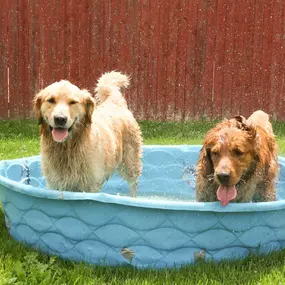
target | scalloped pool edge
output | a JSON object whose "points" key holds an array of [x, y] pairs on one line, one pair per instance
{"points": [[141, 202]]}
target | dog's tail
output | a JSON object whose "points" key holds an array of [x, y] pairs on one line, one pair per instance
{"points": [[109, 82]]}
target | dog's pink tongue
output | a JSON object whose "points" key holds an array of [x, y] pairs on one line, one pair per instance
{"points": [[59, 134], [226, 194]]}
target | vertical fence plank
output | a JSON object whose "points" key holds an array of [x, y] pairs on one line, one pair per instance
{"points": [[135, 38], [4, 61], [142, 60], [182, 37], [247, 63], [229, 59], [151, 60], [73, 9], [171, 57], [126, 50], [114, 35], [220, 54], [15, 85], [124, 38], [190, 77], [257, 52], [200, 59], [58, 39], [34, 50], [126, 35], [267, 55], [277, 66], [67, 39], [95, 34], [21, 100], [153, 43], [281, 62], [162, 57], [44, 45], [106, 35], [239, 50], [209, 71], [85, 68]]}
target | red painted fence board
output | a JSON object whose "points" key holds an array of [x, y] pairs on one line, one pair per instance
{"points": [[188, 59]]}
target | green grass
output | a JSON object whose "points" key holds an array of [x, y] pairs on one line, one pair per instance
{"points": [[21, 138], [21, 265]]}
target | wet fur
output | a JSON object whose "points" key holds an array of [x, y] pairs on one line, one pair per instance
{"points": [[254, 171], [104, 138]]}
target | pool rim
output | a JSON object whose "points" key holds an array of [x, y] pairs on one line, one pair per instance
{"points": [[141, 202]]}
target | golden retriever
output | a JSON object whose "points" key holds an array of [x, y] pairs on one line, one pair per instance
{"points": [[83, 143], [238, 161]]}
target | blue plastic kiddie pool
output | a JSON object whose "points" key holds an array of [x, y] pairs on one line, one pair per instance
{"points": [[162, 227]]}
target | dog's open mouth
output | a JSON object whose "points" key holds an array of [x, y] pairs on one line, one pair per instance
{"points": [[60, 134], [226, 193]]}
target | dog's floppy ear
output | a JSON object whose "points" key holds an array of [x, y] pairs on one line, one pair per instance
{"points": [[246, 125], [89, 107], [206, 164], [241, 120], [251, 128], [37, 106]]}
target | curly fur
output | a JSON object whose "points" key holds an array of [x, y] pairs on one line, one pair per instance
{"points": [[247, 149]]}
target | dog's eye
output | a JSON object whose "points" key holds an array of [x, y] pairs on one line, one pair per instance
{"points": [[51, 100], [214, 153], [237, 152], [73, 102]]}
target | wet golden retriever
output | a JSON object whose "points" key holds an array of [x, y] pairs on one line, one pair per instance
{"points": [[238, 161], [82, 143]]}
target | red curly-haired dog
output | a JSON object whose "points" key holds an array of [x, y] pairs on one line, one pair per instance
{"points": [[238, 161]]}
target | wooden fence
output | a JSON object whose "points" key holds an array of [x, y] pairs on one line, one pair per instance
{"points": [[187, 59]]}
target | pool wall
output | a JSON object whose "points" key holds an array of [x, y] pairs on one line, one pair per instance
{"points": [[111, 228]]}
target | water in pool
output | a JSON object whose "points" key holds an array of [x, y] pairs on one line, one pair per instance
{"points": [[164, 182]]}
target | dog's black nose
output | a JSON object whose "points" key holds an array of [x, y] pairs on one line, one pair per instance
{"points": [[60, 120], [224, 177]]}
